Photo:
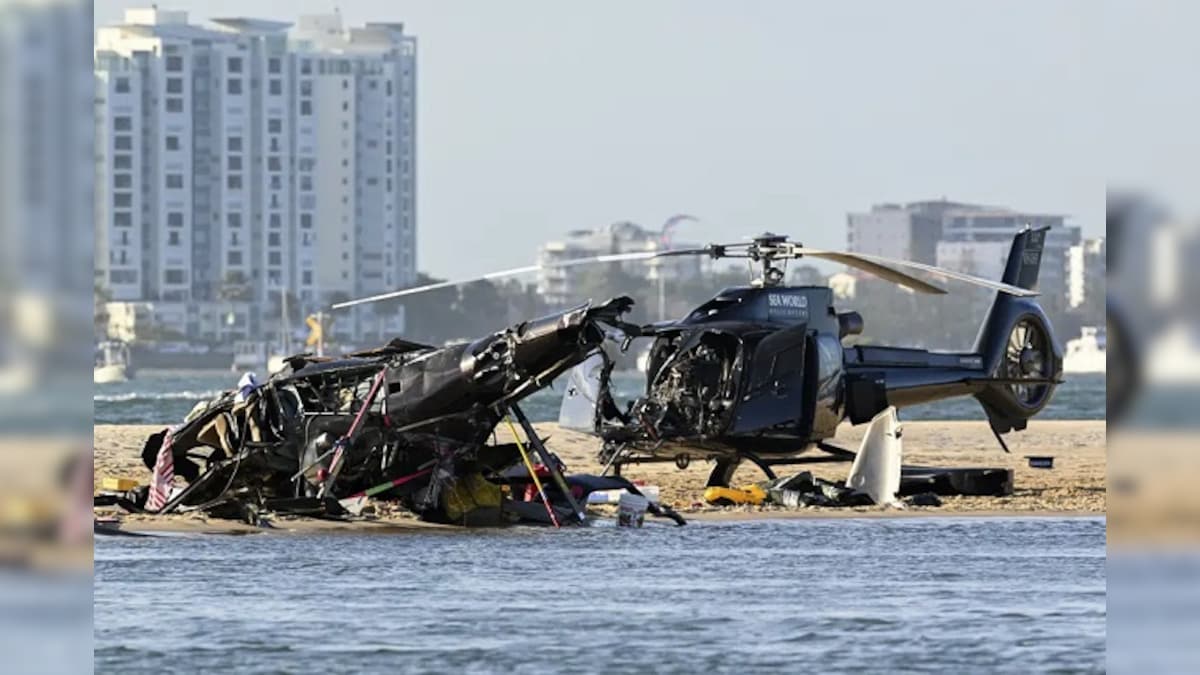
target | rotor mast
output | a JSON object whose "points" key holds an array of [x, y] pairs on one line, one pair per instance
{"points": [[766, 250]]}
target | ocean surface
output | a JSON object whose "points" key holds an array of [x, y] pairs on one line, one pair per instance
{"points": [[819, 595], [166, 396]]}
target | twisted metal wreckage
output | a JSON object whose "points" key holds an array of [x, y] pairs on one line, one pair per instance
{"points": [[406, 422]]}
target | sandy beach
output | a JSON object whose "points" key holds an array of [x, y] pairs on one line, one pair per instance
{"points": [[1076, 484]]}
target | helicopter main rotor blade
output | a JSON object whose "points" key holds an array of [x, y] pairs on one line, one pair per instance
{"points": [[613, 257], [881, 271], [879, 266]]}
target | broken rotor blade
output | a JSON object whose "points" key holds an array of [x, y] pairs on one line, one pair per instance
{"points": [[879, 266], [609, 258]]}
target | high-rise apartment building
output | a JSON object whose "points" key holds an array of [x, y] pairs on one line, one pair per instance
{"points": [[251, 159]]}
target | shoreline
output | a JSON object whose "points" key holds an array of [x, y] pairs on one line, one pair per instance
{"points": [[1075, 487], [176, 526]]}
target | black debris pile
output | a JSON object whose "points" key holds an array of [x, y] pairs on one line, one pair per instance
{"points": [[803, 489], [919, 486]]}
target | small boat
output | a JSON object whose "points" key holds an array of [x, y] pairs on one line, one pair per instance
{"points": [[1087, 353], [112, 363]]}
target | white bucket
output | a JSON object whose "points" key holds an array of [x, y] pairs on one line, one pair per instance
{"points": [[650, 492], [632, 511]]}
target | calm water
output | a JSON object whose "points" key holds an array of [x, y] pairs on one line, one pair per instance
{"points": [[863, 595], [165, 397]]}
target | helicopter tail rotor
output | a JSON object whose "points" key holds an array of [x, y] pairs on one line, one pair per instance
{"points": [[1017, 344]]}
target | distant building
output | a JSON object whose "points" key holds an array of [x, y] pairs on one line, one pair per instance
{"points": [[249, 159], [971, 238], [558, 285], [1086, 269], [903, 231], [977, 241]]}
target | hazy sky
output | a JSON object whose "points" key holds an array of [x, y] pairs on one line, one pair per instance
{"points": [[536, 117]]}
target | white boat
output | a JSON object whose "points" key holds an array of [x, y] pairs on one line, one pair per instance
{"points": [[1087, 353], [112, 363]]}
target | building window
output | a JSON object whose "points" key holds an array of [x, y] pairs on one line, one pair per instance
{"points": [[172, 142], [274, 65], [174, 85], [274, 258], [174, 64], [122, 219], [172, 238], [305, 67], [122, 181], [174, 105], [122, 200], [235, 64], [274, 221], [122, 161], [276, 182], [306, 277], [275, 87], [233, 85], [274, 163], [234, 258], [122, 123], [274, 126], [234, 144], [306, 221], [122, 142], [305, 108], [233, 182], [306, 183], [175, 219], [121, 86], [174, 181], [306, 87], [235, 162], [234, 220], [174, 277]]}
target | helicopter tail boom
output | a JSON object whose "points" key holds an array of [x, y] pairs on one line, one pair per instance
{"points": [[1012, 370]]}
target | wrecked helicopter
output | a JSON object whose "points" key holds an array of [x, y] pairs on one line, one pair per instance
{"points": [[758, 373]]}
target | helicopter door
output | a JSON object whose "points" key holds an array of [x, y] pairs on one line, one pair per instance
{"points": [[585, 386], [774, 391]]}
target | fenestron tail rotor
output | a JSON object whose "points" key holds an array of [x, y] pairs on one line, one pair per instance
{"points": [[1027, 357]]}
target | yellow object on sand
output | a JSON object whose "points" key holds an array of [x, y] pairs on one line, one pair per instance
{"points": [[723, 496], [118, 484], [468, 493]]}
